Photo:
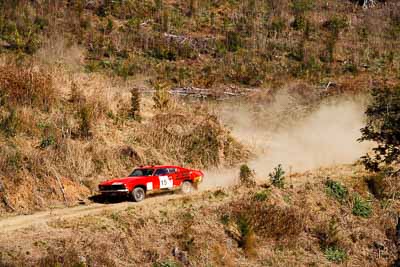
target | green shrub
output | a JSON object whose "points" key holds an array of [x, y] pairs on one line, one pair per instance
{"points": [[14, 161], [166, 264], [161, 96], [47, 141], [337, 190], [225, 218], [383, 128], [261, 195], [76, 96], [220, 48], [233, 41], [220, 193], [85, 121], [134, 111], [271, 221], [247, 237], [376, 185], [350, 67], [22, 36], [394, 28], [302, 6], [11, 162], [277, 26], [186, 235], [245, 68], [328, 234], [328, 55], [246, 176], [335, 25], [335, 254], [361, 207], [163, 53], [278, 177], [9, 125], [205, 138], [297, 53], [299, 23]]}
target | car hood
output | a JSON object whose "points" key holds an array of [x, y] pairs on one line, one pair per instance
{"points": [[121, 180]]}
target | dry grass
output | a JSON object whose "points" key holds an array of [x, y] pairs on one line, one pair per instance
{"points": [[242, 43], [274, 232], [25, 85], [86, 134], [271, 220], [63, 122], [196, 139]]}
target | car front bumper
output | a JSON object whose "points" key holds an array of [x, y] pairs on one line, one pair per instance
{"points": [[118, 191]]}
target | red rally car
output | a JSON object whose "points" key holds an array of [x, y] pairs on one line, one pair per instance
{"points": [[148, 179]]}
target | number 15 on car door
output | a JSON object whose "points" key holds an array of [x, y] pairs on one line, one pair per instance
{"points": [[165, 182]]}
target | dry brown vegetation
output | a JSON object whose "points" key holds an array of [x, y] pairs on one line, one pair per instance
{"points": [[72, 114], [225, 228], [60, 136], [211, 43], [25, 86]]}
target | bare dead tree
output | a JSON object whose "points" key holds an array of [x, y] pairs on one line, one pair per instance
{"points": [[368, 3]]}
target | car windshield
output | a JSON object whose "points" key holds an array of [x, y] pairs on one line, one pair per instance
{"points": [[141, 172]]}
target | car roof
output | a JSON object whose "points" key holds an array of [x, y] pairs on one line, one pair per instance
{"points": [[158, 166]]}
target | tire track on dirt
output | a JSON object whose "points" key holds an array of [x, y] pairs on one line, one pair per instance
{"points": [[18, 222]]}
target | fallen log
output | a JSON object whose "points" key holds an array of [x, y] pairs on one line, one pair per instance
{"points": [[214, 93]]}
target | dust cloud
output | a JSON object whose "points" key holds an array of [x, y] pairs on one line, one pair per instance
{"points": [[293, 135]]}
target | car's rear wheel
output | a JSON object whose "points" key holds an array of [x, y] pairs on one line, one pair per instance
{"points": [[187, 187], [138, 194]]}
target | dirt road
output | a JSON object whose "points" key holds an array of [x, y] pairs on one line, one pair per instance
{"points": [[13, 223]]}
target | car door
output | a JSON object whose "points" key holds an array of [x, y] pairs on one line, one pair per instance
{"points": [[153, 183], [181, 175], [164, 179], [173, 173]]}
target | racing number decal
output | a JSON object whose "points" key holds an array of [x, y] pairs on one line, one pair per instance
{"points": [[149, 186], [165, 182]]}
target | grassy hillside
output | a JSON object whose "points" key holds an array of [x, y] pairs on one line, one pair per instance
{"points": [[56, 146], [320, 223], [70, 71], [213, 43], [85, 95]]}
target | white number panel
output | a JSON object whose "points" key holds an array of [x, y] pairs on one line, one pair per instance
{"points": [[165, 182], [149, 186]]}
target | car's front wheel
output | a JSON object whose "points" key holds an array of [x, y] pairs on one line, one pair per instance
{"points": [[187, 187], [138, 194]]}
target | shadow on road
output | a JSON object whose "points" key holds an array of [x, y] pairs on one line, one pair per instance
{"points": [[99, 198]]}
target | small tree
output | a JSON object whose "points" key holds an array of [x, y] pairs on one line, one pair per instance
{"points": [[76, 95], [246, 176], [134, 111], [161, 96], [85, 122], [299, 8], [334, 25], [383, 128], [278, 177], [10, 123], [192, 8]]}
